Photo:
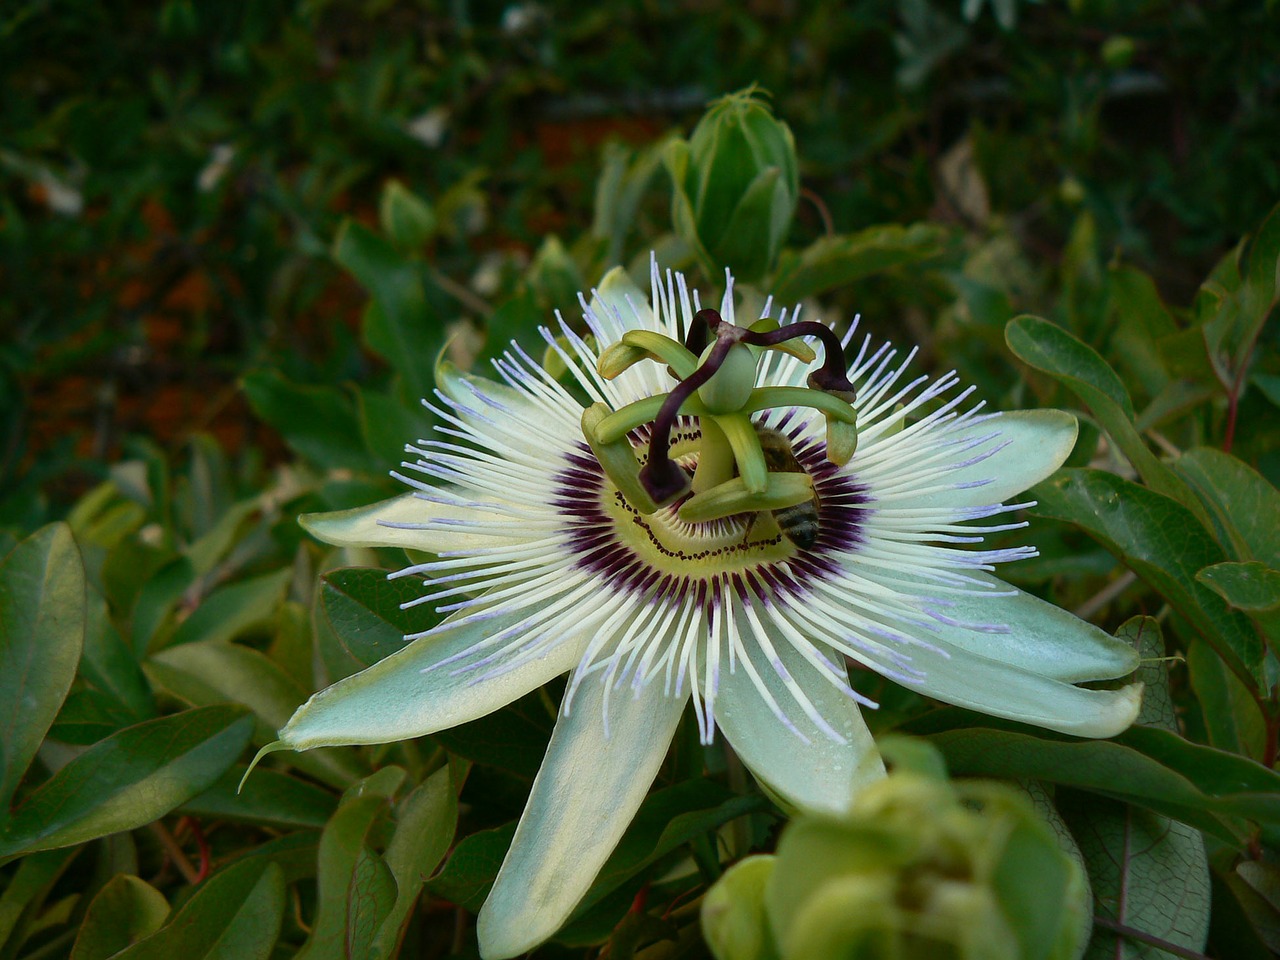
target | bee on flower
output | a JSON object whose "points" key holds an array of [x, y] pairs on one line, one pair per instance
{"points": [[646, 545]]}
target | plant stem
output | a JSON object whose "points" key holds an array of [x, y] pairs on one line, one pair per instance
{"points": [[1131, 933]]}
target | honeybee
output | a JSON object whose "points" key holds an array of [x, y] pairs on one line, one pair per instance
{"points": [[798, 523]]}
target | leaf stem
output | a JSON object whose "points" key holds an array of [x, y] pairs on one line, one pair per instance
{"points": [[1233, 407], [1272, 746], [1141, 936], [171, 847]]}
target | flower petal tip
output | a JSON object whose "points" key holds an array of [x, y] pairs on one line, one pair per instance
{"points": [[1122, 713]]}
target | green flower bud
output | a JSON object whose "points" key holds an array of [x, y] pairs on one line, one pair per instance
{"points": [[733, 917], [919, 868], [735, 186]]}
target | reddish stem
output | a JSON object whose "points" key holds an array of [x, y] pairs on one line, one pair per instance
{"points": [[1233, 406], [1272, 745], [201, 844], [641, 900]]}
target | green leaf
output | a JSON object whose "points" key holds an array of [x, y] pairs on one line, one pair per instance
{"points": [[363, 607], [208, 673], [398, 325], [1047, 347], [25, 891], [42, 627], [405, 217], [425, 824], [235, 915], [517, 319], [109, 666], [620, 188], [471, 868], [318, 423], [1232, 718], [1148, 873], [370, 898], [668, 819], [157, 597], [1232, 331], [1262, 878], [1177, 399], [1199, 785], [125, 911], [513, 739], [128, 780], [336, 662], [268, 798], [839, 261], [1141, 320], [1269, 384], [1153, 671], [223, 532], [1252, 586], [387, 423], [1161, 542], [234, 609], [341, 847], [111, 691], [1245, 926], [1244, 504]]}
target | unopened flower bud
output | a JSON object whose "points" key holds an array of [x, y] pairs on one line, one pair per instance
{"points": [[919, 868], [736, 186]]}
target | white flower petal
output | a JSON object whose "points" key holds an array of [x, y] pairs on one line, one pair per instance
{"points": [[1025, 447], [398, 522], [821, 775], [585, 794], [423, 688], [1041, 638], [1028, 673]]}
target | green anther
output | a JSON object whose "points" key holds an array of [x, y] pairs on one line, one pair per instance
{"points": [[766, 398], [671, 352], [639, 412], [731, 385], [741, 434], [618, 358], [731, 497], [842, 441], [796, 348], [617, 458]]}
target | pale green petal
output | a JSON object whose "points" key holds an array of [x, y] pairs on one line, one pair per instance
{"points": [[462, 387], [583, 799], [395, 700], [376, 525], [1028, 673], [1042, 638], [820, 775], [1031, 445]]}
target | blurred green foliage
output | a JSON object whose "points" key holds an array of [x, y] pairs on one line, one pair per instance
{"points": [[171, 177], [234, 239]]}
